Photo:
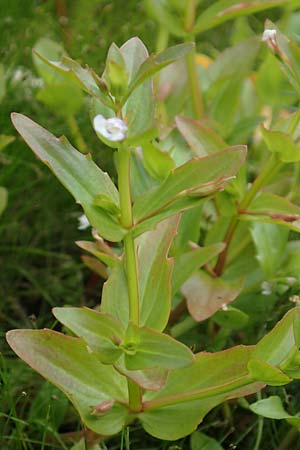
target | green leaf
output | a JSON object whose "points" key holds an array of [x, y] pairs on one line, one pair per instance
{"points": [[270, 242], [231, 318], [177, 206], [115, 73], [95, 266], [151, 379], [288, 53], [138, 111], [158, 163], [3, 199], [200, 441], [154, 63], [271, 208], [188, 262], [272, 408], [149, 349], [101, 332], [177, 409], [70, 71], [161, 11], [285, 336], [87, 383], [155, 270], [46, 48], [281, 144], [78, 173], [63, 99], [202, 140], [196, 177], [206, 295], [236, 61], [266, 373], [5, 140], [115, 300], [223, 10], [96, 249]]}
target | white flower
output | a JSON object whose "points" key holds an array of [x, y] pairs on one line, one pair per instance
{"points": [[113, 129], [83, 222], [266, 288], [269, 36]]}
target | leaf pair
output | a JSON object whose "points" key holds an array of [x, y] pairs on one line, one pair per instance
{"points": [[99, 392], [106, 337]]}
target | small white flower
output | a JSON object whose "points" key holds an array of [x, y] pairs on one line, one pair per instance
{"points": [[113, 129], [266, 288], [83, 222], [269, 36]]}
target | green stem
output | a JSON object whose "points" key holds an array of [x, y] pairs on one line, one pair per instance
{"points": [[134, 391], [191, 65], [79, 141], [259, 428], [270, 168], [162, 39], [190, 14], [199, 394]]}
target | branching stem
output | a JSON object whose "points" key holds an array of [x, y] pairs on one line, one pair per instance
{"points": [[270, 168], [130, 257]]}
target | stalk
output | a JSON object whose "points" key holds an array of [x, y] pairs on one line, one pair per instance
{"points": [[191, 66], [74, 128], [134, 391], [270, 168]]}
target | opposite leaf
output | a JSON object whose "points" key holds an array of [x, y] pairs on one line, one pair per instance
{"points": [[152, 349], [196, 177], [205, 295], [101, 332], [78, 173], [66, 363]]}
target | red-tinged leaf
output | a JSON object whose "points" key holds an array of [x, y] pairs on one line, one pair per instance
{"points": [[153, 349], [188, 262], [149, 379], [102, 333], [138, 111], [201, 139], [206, 295], [66, 363], [268, 207], [101, 250], [177, 409], [115, 300], [95, 265], [155, 270], [77, 172], [223, 10], [199, 177]]}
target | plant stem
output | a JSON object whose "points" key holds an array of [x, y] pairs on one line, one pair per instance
{"points": [[191, 66], [260, 427], [190, 14], [270, 168], [162, 39], [134, 391], [74, 128]]}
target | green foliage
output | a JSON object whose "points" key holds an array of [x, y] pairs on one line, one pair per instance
{"points": [[184, 230]]}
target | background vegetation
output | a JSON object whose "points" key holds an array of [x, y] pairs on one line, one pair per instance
{"points": [[40, 265]]}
